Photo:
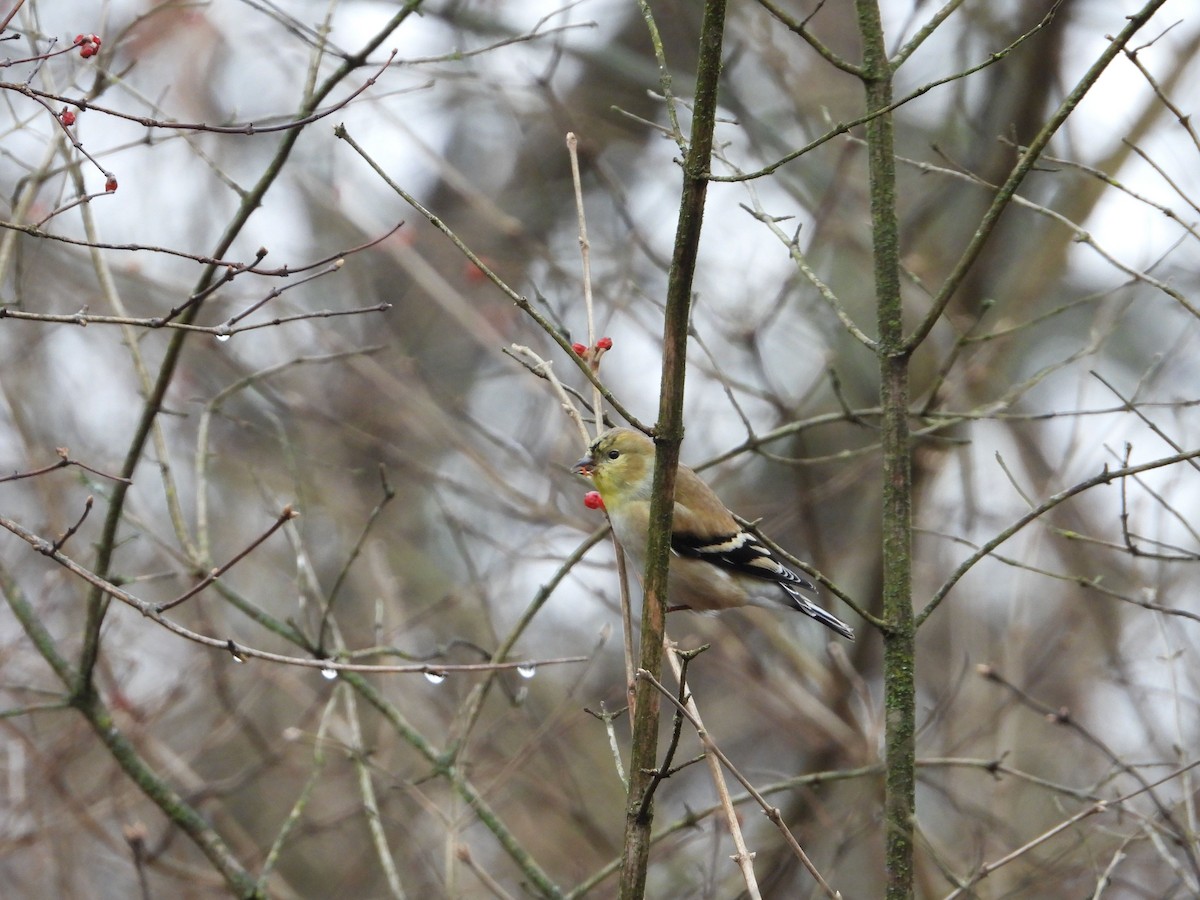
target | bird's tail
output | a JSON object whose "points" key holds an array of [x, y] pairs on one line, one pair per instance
{"points": [[828, 619]]}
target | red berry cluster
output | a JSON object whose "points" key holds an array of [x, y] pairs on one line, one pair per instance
{"points": [[591, 355], [88, 44], [67, 117]]}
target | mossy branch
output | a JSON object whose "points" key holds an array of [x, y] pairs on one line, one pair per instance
{"points": [[668, 437]]}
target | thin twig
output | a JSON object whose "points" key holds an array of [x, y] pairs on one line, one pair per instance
{"points": [[66, 535], [286, 515], [1129, 405], [370, 804], [585, 252], [64, 460], [743, 857], [241, 652], [1107, 476], [520, 301], [543, 369], [772, 812], [388, 494], [1096, 808], [608, 718], [1062, 716]]}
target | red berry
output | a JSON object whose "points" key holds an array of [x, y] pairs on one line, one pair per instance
{"points": [[579, 349], [111, 184], [593, 500], [88, 44], [66, 117], [605, 343]]}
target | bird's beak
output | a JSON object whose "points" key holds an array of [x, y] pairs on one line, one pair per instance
{"points": [[584, 467]]}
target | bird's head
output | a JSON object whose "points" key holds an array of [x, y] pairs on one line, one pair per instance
{"points": [[620, 459]]}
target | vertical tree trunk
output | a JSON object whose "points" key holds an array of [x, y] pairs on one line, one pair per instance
{"points": [[639, 813], [899, 636]]}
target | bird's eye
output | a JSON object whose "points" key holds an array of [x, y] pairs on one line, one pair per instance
{"points": [[613, 454]]}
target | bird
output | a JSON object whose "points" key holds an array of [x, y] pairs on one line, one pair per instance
{"points": [[715, 563]]}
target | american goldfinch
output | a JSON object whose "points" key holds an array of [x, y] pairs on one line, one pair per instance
{"points": [[715, 563]]}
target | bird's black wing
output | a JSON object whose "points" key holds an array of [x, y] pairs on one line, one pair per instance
{"points": [[739, 552]]}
